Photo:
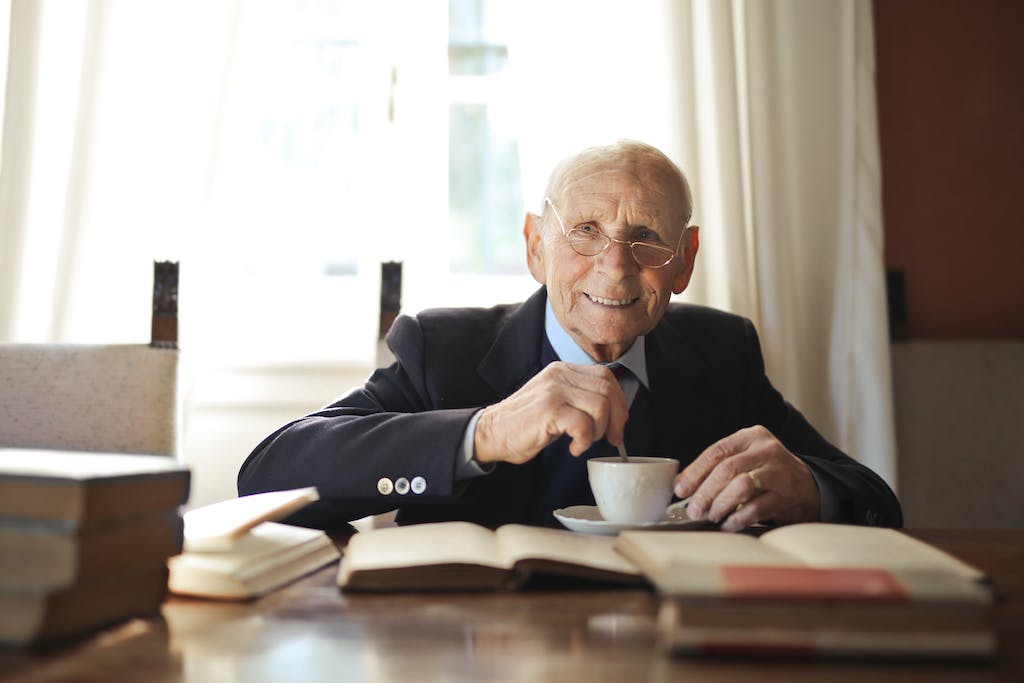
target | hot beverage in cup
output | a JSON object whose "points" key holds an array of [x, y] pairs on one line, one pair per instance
{"points": [[634, 491]]}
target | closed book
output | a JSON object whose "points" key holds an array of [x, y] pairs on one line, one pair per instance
{"points": [[77, 489], [817, 589], [681, 637], [460, 556], [234, 550], [267, 557], [40, 617], [219, 526], [40, 556]]}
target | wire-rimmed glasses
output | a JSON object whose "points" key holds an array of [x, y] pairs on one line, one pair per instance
{"points": [[586, 243]]}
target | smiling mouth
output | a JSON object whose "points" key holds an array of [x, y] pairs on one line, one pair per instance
{"points": [[611, 302]]}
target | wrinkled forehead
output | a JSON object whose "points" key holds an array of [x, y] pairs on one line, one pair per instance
{"points": [[603, 180]]}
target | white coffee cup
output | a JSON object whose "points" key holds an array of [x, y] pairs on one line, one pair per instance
{"points": [[634, 491]]}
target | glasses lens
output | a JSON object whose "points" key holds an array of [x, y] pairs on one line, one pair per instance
{"points": [[587, 243], [650, 256]]}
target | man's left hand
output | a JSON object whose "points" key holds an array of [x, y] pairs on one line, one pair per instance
{"points": [[746, 478]]}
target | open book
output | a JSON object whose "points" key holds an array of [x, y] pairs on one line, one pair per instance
{"points": [[814, 588], [464, 556], [233, 550]]}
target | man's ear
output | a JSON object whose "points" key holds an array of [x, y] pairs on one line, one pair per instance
{"points": [[533, 232], [686, 260]]}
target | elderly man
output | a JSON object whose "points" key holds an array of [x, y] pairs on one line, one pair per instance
{"points": [[489, 415]]}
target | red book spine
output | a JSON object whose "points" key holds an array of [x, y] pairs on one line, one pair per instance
{"points": [[811, 583]]}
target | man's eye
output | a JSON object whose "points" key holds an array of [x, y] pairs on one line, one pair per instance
{"points": [[648, 235], [587, 228]]}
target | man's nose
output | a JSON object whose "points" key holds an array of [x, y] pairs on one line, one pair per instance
{"points": [[618, 257]]}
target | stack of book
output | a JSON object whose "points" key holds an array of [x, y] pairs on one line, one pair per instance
{"points": [[84, 539], [820, 590], [234, 550]]}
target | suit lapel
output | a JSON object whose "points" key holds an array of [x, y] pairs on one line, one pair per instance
{"points": [[681, 398], [514, 357]]}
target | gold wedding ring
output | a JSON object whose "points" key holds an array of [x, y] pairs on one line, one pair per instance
{"points": [[755, 481]]}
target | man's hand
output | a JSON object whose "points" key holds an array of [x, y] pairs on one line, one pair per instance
{"points": [[583, 401], [746, 478]]}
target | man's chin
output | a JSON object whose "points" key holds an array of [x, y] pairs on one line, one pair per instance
{"points": [[617, 321], [605, 337]]}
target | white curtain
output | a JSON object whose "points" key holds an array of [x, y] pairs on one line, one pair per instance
{"points": [[106, 148], [767, 104], [784, 149], [786, 163]]}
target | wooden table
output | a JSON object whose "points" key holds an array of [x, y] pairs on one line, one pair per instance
{"points": [[311, 632]]}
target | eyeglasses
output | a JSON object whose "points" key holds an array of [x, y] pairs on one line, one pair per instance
{"points": [[587, 243]]}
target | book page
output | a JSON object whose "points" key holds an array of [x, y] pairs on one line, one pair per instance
{"points": [[423, 545], [220, 525], [265, 544], [520, 542], [267, 556], [829, 545], [655, 551]]}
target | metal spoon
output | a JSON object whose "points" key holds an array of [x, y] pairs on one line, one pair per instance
{"points": [[622, 452]]}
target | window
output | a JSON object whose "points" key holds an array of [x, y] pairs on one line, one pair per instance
{"points": [[485, 189], [348, 138]]}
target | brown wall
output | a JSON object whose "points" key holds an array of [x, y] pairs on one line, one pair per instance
{"points": [[951, 122]]}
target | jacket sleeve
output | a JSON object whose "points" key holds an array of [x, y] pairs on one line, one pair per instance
{"points": [[355, 449], [851, 492]]}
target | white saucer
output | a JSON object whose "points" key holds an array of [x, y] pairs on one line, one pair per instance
{"points": [[587, 519]]}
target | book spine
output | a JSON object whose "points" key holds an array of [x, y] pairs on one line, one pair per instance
{"points": [[926, 641], [968, 645]]}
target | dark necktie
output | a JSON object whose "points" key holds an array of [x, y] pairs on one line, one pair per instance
{"points": [[639, 437]]}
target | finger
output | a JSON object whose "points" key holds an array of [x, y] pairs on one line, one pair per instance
{"points": [[739, 491], [519, 427], [596, 378], [758, 476], [593, 370], [584, 417], [573, 406], [717, 480], [585, 402], [697, 471], [752, 512], [580, 427], [594, 390]]}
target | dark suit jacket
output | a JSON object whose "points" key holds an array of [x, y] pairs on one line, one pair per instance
{"points": [[707, 381]]}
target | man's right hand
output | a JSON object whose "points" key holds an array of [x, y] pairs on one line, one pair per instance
{"points": [[583, 401]]}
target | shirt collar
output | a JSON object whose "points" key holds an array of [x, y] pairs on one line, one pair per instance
{"points": [[635, 359]]}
